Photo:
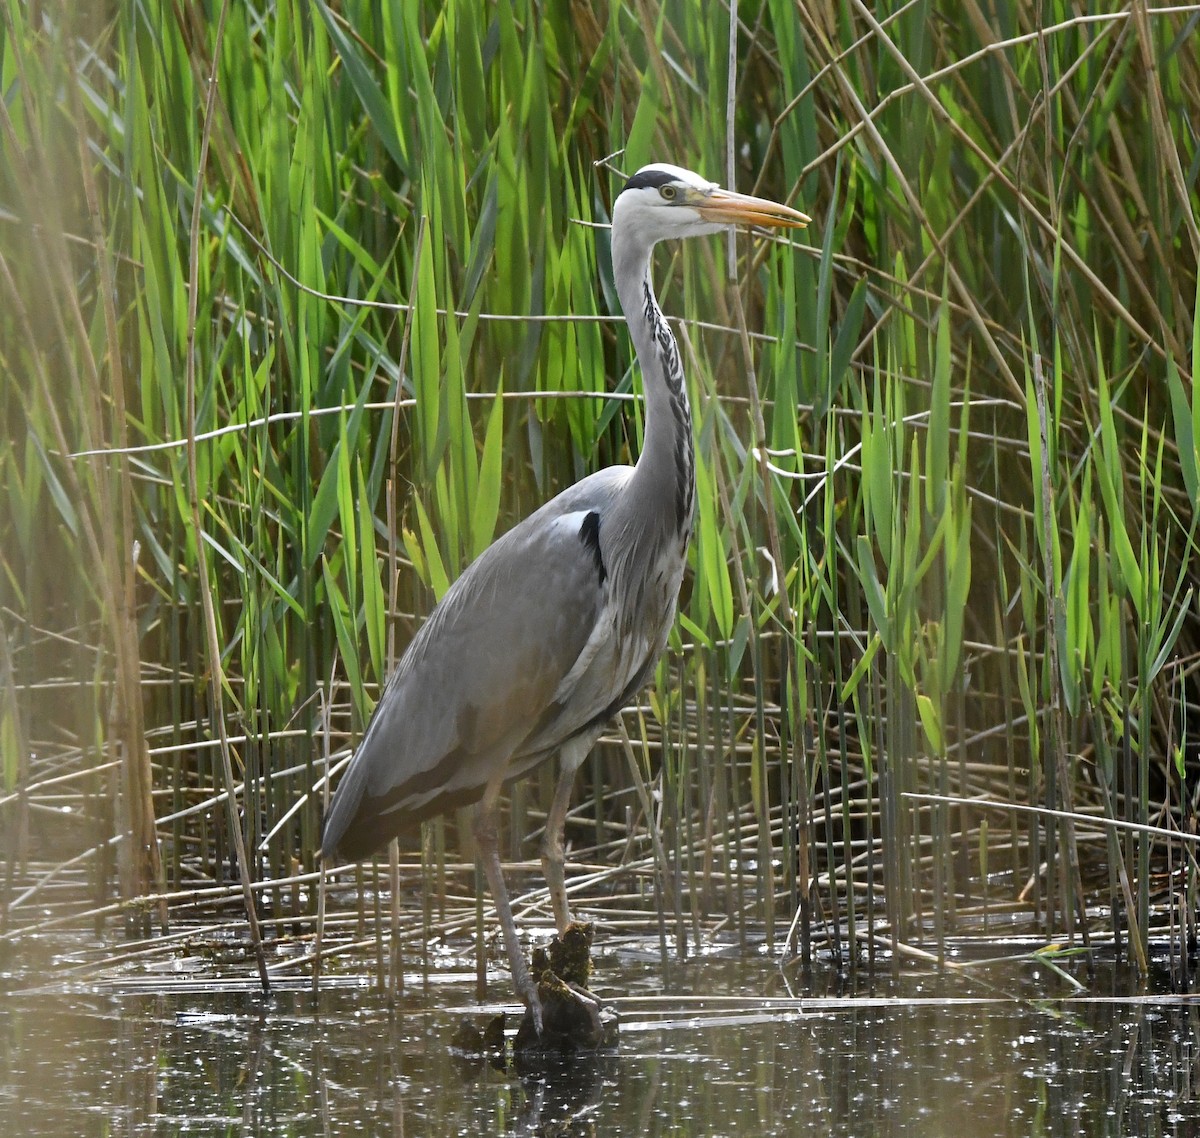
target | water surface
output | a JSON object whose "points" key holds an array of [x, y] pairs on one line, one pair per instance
{"points": [[716, 1046]]}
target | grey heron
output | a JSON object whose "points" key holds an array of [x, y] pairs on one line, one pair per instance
{"points": [[560, 622]]}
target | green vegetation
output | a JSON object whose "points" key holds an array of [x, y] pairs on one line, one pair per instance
{"points": [[948, 468]]}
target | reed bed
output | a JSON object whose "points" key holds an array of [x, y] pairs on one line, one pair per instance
{"points": [[283, 353]]}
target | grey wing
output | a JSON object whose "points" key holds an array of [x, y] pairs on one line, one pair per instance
{"points": [[482, 678]]}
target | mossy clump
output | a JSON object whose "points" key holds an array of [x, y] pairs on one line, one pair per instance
{"points": [[573, 1022]]}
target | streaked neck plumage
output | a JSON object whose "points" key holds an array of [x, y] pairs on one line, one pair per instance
{"points": [[664, 478]]}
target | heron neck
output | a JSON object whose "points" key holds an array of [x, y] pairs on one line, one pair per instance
{"points": [[665, 468]]}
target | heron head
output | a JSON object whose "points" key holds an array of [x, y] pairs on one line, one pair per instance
{"points": [[662, 201]]}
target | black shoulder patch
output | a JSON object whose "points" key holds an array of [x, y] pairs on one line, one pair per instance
{"points": [[589, 534], [649, 179]]}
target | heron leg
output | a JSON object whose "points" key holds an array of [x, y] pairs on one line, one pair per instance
{"points": [[489, 854], [553, 852]]}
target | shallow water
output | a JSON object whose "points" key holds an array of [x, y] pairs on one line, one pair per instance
{"points": [[713, 1047]]}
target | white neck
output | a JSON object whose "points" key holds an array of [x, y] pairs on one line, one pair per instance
{"points": [[664, 477]]}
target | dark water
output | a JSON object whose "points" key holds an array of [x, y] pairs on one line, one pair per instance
{"points": [[703, 1052]]}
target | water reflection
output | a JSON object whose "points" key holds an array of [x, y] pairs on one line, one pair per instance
{"points": [[920, 1055]]}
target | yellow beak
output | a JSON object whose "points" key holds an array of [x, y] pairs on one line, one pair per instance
{"points": [[724, 206]]}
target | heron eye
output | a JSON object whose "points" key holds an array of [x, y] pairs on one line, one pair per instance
{"points": [[668, 193]]}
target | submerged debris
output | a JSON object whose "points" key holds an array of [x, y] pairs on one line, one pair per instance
{"points": [[493, 1036], [469, 1047], [467, 1039]]}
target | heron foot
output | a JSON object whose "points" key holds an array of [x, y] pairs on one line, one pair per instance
{"points": [[528, 990]]}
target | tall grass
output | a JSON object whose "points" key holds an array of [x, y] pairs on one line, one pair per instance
{"points": [[948, 454]]}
